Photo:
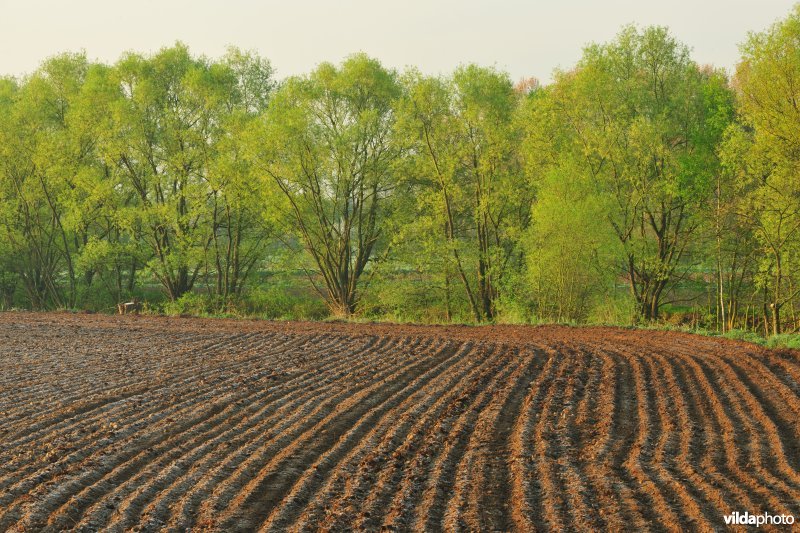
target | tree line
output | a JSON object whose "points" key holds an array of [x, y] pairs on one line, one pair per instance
{"points": [[637, 186]]}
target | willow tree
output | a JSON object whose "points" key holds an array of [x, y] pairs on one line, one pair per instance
{"points": [[641, 120], [156, 146], [40, 162], [239, 234], [570, 251], [172, 143], [464, 141], [326, 145], [763, 152]]}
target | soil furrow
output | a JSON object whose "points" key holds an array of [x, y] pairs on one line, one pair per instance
{"points": [[260, 495], [148, 424], [387, 445], [377, 420]]}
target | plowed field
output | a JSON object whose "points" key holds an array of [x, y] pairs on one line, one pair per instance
{"points": [[123, 423]]}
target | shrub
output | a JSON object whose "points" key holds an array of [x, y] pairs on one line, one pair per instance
{"points": [[784, 340], [743, 335]]}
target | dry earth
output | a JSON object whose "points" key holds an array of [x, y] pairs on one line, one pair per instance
{"points": [[140, 423]]}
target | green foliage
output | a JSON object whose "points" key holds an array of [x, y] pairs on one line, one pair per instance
{"points": [[570, 264], [471, 199], [784, 340], [615, 308], [639, 187], [638, 121], [743, 335], [762, 155], [325, 146], [410, 295], [285, 299], [190, 303]]}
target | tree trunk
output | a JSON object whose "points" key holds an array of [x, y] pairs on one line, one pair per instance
{"points": [[776, 318]]}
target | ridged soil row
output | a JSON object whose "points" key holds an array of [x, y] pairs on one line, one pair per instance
{"points": [[758, 411], [27, 478], [175, 459], [429, 481], [671, 453], [375, 365], [480, 499], [582, 428], [596, 417], [586, 410], [767, 456], [240, 436], [786, 367], [250, 450], [491, 495], [622, 455], [669, 459], [122, 418], [524, 488], [779, 403], [702, 444], [360, 438], [789, 362], [86, 399], [551, 501], [570, 484], [30, 379], [655, 462], [604, 430], [581, 512], [777, 397], [372, 471], [102, 470], [215, 456], [694, 436], [92, 398], [259, 496], [729, 444], [407, 465]]}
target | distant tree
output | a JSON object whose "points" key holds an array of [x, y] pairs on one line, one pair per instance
{"points": [[635, 117], [462, 133], [40, 164], [173, 142], [735, 247], [110, 255], [157, 147], [527, 85], [239, 233], [326, 145], [571, 251], [764, 154]]}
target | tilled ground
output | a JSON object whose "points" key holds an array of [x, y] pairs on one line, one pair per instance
{"points": [[134, 423]]}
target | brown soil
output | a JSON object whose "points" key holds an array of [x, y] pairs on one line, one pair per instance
{"points": [[146, 423]]}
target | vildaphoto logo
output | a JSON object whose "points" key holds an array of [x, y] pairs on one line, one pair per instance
{"points": [[758, 520]]}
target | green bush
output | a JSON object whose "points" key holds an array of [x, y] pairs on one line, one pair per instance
{"points": [[283, 300], [784, 340], [743, 335], [190, 303], [412, 296], [617, 308]]}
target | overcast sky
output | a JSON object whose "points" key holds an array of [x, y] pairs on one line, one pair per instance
{"points": [[524, 38]]}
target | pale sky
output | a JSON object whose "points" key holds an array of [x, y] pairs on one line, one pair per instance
{"points": [[524, 38]]}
